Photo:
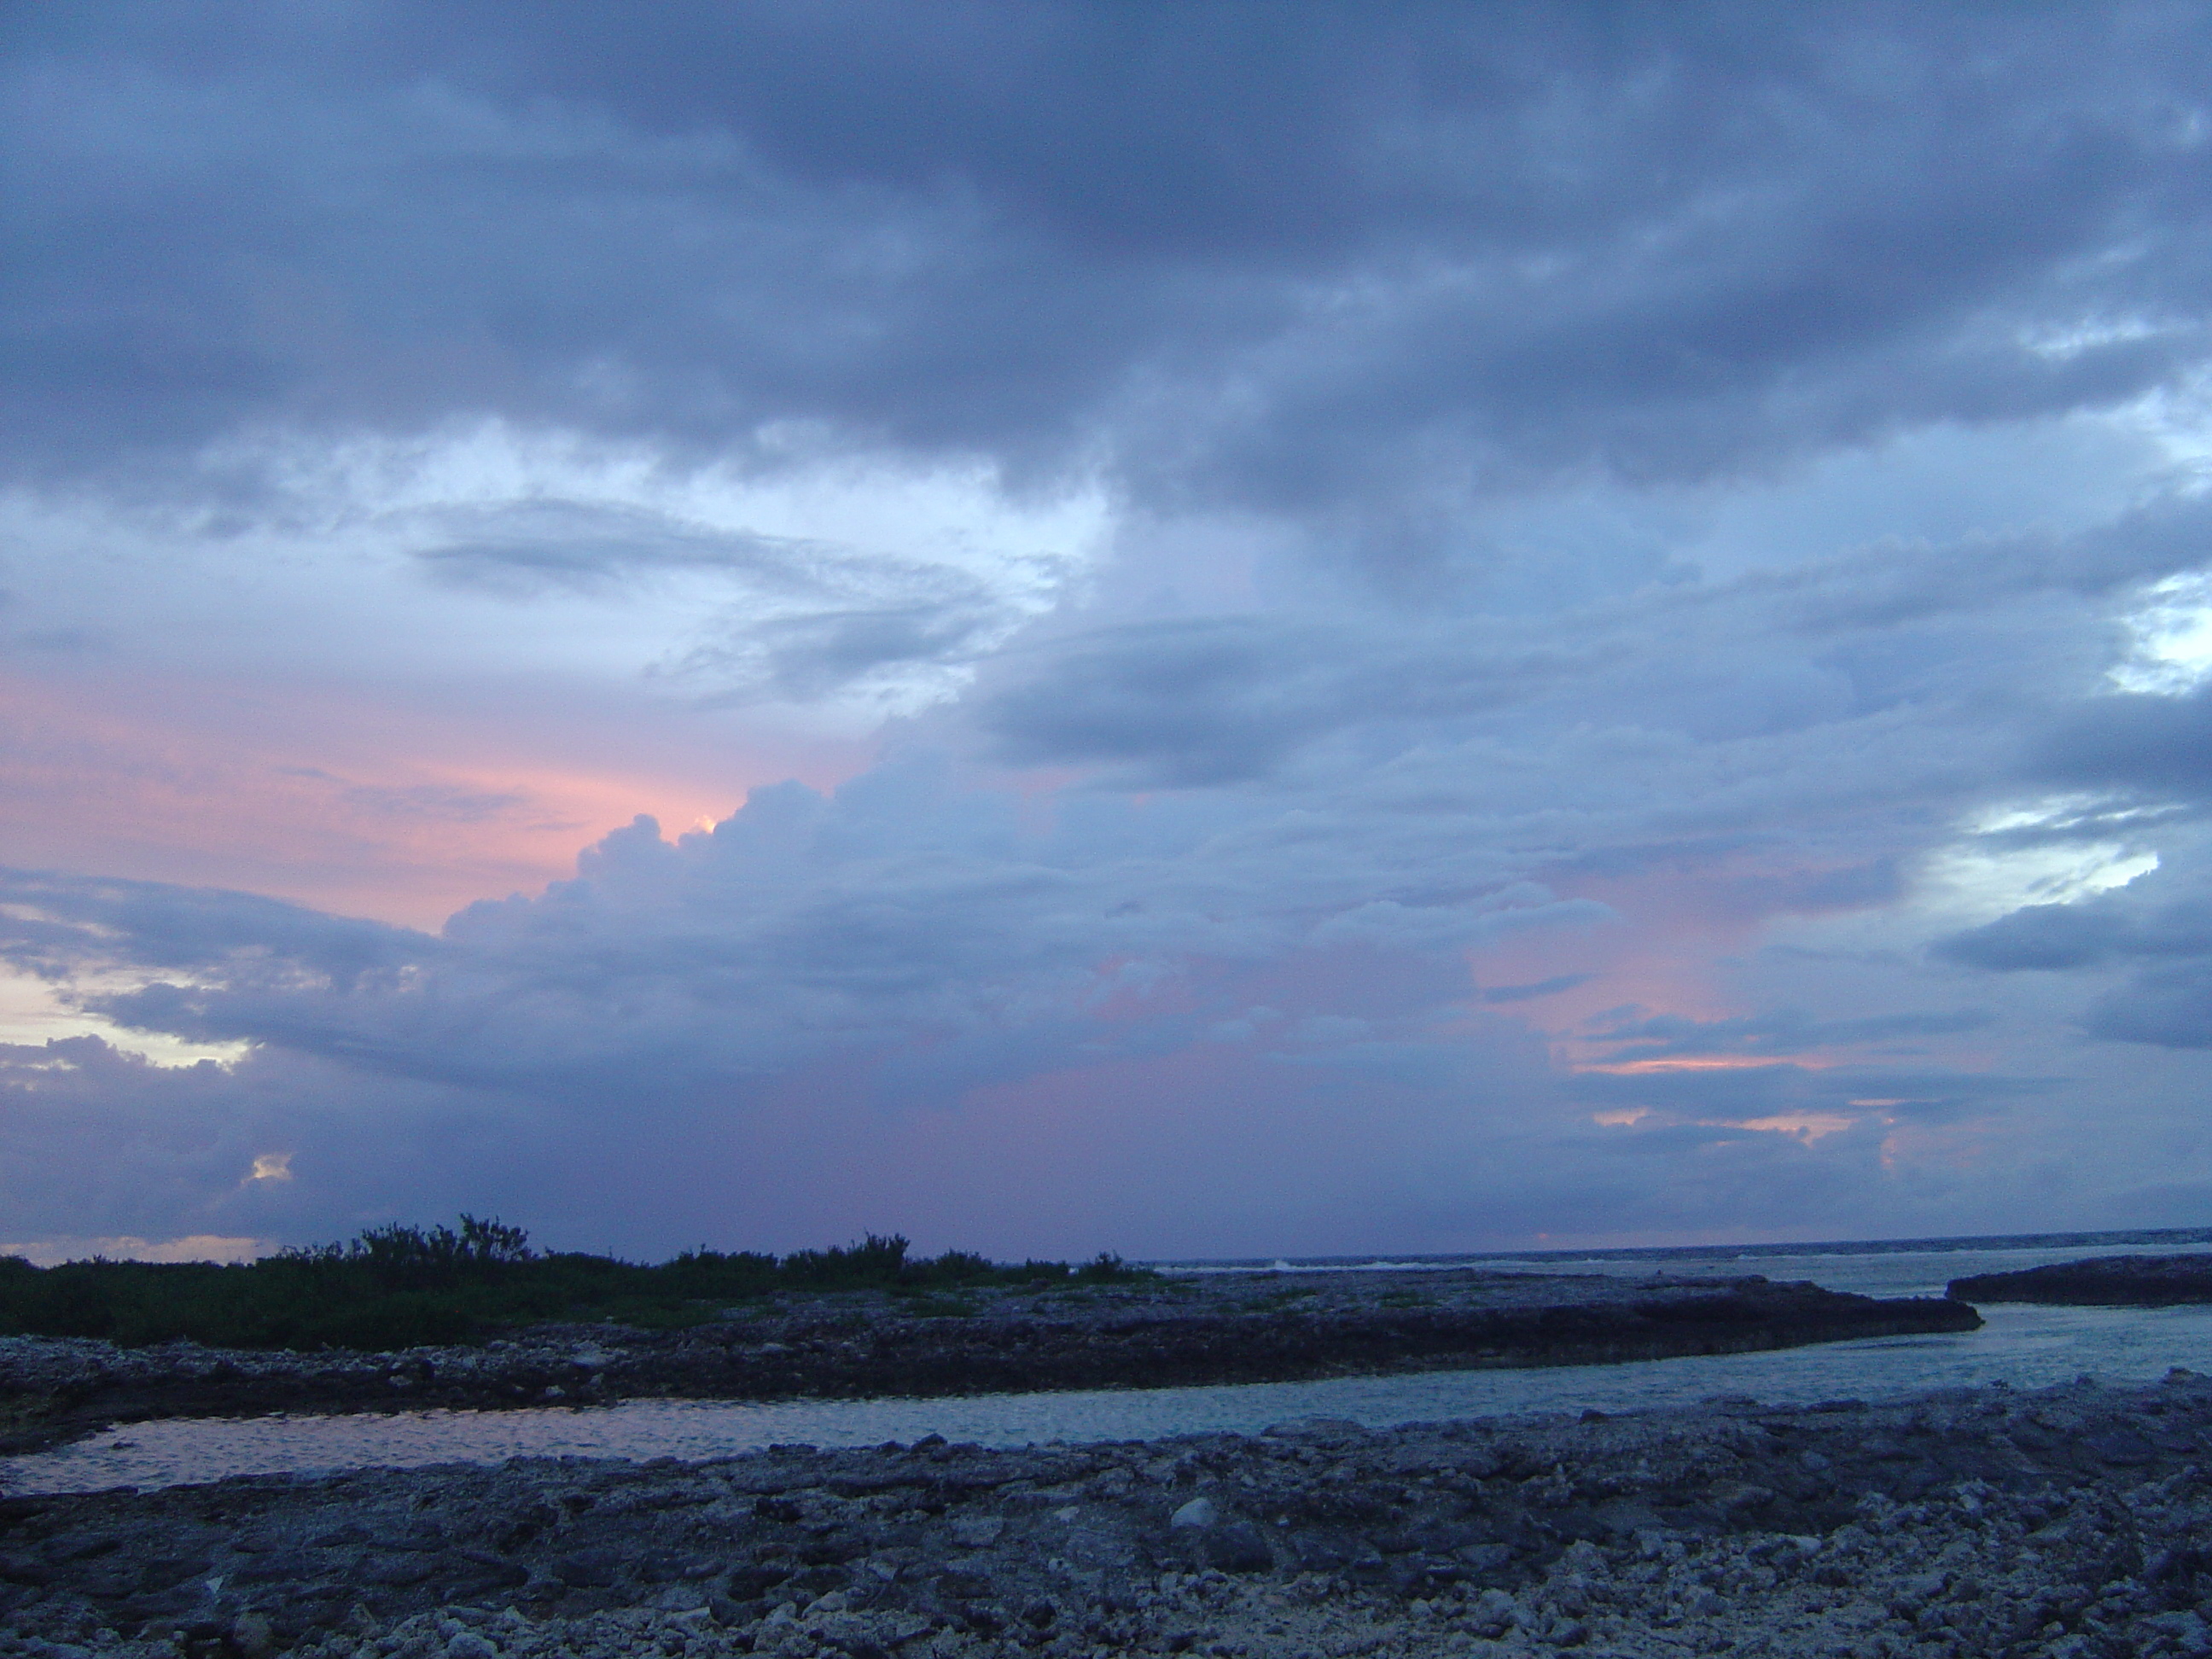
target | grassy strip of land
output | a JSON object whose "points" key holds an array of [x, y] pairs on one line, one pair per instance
{"points": [[402, 1286]]}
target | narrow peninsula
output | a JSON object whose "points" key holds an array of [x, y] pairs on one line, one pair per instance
{"points": [[1138, 1330]]}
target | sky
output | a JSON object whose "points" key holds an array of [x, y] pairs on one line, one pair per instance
{"points": [[1194, 630]]}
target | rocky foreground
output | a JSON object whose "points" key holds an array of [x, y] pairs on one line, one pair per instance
{"points": [[2076, 1521], [1244, 1328], [2112, 1281]]}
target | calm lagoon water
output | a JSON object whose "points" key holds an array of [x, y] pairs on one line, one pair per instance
{"points": [[2021, 1345]]}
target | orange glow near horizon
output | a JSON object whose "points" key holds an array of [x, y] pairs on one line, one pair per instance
{"points": [[1641, 962], [1807, 1125], [1697, 1063], [337, 800], [1678, 949]]}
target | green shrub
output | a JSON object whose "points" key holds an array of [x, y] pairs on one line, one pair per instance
{"points": [[402, 1286]]}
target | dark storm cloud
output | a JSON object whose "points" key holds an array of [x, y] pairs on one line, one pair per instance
{"points": [[2115, 927], [2170, 1007], [2156, 746], [97, 1142], [57, 924], [1307, 258], [2164, 948]]}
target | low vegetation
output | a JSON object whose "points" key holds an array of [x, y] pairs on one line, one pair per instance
{"points": [[399, 1286]]}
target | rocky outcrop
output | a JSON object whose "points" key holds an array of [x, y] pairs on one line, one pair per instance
{"points": [[2066, 1524], [2112, 1282], [1245, 1328]]}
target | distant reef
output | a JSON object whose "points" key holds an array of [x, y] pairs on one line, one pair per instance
{"points": [[2110, 1281], [1156, 1333]]}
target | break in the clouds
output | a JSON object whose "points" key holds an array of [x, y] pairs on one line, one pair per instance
{"points": [[1063, 626]]}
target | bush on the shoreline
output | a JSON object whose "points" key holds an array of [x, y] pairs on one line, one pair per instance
{"points": [[401, 1287]]}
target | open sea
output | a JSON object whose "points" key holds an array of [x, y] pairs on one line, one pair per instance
{"points": [[2023, 1346]]}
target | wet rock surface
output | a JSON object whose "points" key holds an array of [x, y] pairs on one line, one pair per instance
{"points": [[2075, 1523], [1245, 1327], [2112, 1281]]}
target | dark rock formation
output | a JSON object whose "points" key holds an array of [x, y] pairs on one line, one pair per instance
{"points": [[2066, 1521], [2112, 1282], [1261, 1328]]}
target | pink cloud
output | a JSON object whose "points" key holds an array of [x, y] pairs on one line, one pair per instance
{"points": [[352, 800]]}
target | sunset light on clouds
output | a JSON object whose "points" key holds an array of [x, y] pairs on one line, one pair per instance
{"points": [[1198, 630]]}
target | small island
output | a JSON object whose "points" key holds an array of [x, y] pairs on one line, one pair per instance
{"points": [[2109, 1281]]}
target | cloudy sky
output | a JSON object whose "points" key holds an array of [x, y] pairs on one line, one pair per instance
{"points": [[1196, 629]]}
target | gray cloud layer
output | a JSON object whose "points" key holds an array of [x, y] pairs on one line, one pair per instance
{"points": [[1411, 348], [1313, 261]]}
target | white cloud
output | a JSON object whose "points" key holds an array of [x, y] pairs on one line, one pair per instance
{"points": [[33, 1011], [2170, 651], [2028, 852]]}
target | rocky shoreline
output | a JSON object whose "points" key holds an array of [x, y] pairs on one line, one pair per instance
{"points": [[1245, 1327], [2067, 1523], [2112, 1281]]}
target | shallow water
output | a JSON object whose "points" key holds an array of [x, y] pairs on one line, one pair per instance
{"points": [[2025, 1346]]}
